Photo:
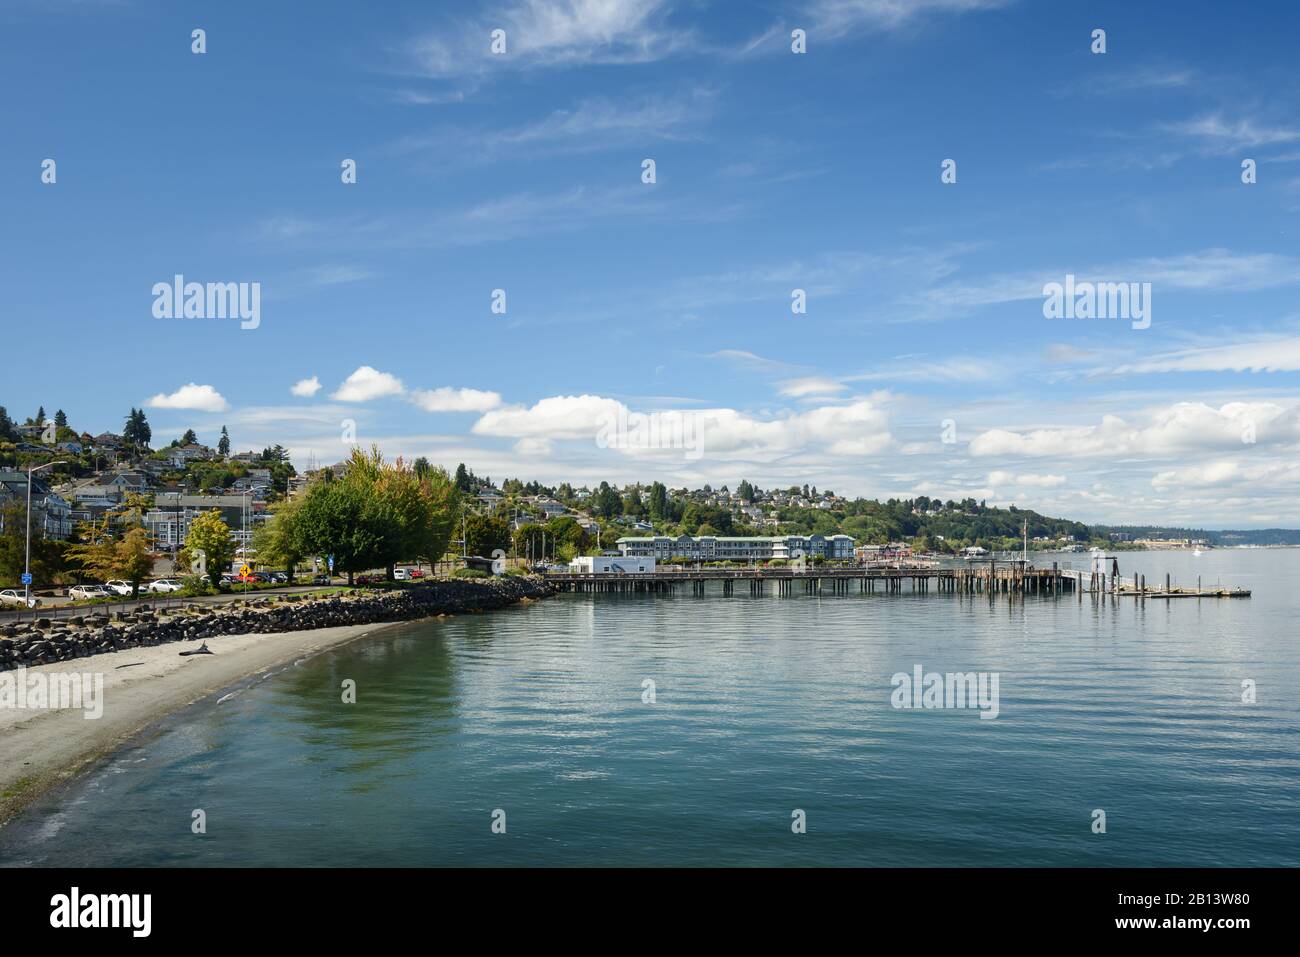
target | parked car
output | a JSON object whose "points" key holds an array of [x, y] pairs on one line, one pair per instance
{"points": [[417, 572], [87, 592], [118, 587], [280, 578], [320, 579], [11, 597], [400, 574], [164, 585]]}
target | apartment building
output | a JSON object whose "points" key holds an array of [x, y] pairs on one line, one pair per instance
{"points": [[711, 548]]}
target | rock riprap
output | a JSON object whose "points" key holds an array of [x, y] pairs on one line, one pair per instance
{"points": [[48, 640]]}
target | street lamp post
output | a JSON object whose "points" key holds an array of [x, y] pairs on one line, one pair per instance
{"points": [[27, 556]]}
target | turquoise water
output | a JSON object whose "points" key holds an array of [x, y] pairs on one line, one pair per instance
{"points": [[763, 706]]}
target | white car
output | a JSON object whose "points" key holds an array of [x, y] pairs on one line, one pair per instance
{"points": [[118, 587], [11, 597], [401, 575], [87, 592], [164, 585]]}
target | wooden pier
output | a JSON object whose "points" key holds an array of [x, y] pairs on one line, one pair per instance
{"points": [[1009, 578]]}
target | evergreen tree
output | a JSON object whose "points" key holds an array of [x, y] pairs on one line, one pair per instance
{"points": [[223, 444], [189, 438], [137, 431], [60, 419], [40, 416]]}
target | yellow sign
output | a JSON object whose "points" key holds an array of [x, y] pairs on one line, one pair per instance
{"points": [[245, 571]]}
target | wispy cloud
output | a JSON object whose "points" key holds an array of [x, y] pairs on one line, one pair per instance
{"points": [[592, 124], [839, 17], [1223, 134], [552, 34]]}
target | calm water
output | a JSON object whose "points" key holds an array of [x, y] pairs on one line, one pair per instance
{"points": [[764, 705]]}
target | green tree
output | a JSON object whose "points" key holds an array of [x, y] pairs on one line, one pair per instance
{"points": [[485, 533], [606, 503], [61, 419], [462, 478], [277, 541], [137, 432], [223, 444], [48, 556], [133, 558], [377, 515], [209, 533], [658, 502]]}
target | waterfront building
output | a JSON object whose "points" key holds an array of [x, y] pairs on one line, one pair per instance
{"points": [[611, 564], [717, 548]]}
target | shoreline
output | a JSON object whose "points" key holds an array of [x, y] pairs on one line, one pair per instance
{"points": [[41, 750], [137, 675]]}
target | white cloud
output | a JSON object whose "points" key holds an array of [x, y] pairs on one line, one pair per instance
{"points": [[367, 383], [595, 123], [858, 428], [1265, 355], [812, 385], [1227, 134], [447, 399], [306, 387], [998, 479], [200, 398], [553, 33], [1184, 427], [838, 17], [556, 417]]}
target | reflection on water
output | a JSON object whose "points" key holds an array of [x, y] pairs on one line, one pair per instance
{"points": [[763, 705]]}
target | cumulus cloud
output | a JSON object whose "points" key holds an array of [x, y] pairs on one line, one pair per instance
{"points": [[1226, 472], [855, 428], [199, 398], [306, 387], [1182, 427], [447, 399], [367, 383], [999, 478], [811, 385]]}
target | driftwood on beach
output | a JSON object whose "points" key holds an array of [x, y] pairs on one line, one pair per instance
{"points": [[45, 640]]}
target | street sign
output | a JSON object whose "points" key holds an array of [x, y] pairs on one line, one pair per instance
{"points": [[27, 578], [245, 571], [331, 562]]}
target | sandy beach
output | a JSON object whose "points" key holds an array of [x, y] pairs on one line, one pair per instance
{"points": [[40, 749]]}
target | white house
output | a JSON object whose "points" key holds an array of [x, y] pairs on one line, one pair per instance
{"points": [[612, 564]]}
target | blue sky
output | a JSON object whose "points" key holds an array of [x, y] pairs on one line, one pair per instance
{"points": [[775, 171]]}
